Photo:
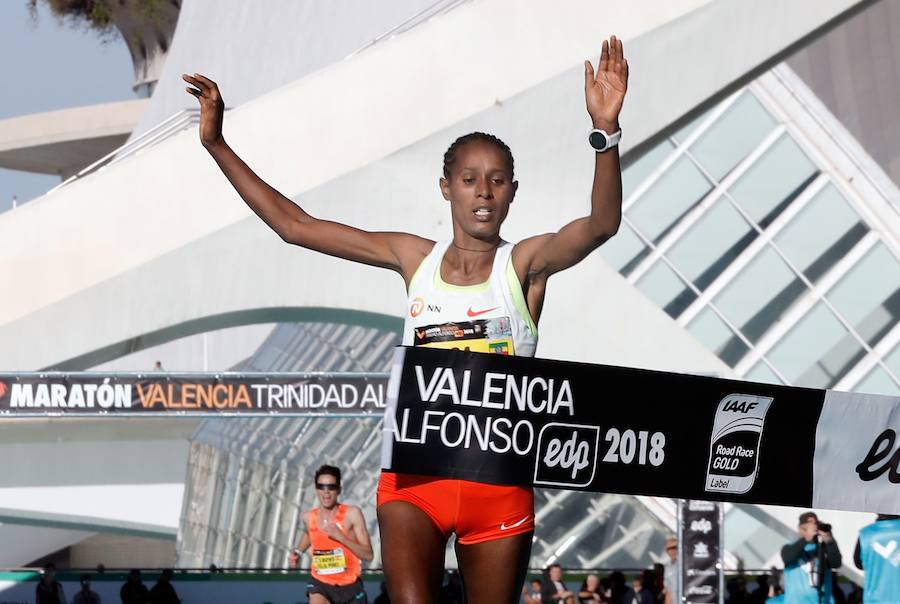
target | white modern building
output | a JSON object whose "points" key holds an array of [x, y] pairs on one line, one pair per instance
{"points": [[760, 240]]}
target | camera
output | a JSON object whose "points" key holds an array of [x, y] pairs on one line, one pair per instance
{"points": [[824, 527]]}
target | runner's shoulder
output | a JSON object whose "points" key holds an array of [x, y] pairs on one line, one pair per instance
{"points": [[410, 251], [354, 512], [412, 247], [524, 252]]}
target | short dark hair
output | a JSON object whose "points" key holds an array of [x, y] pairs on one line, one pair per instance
{"points": [[49, 566], [807, 516], [85, 578], [331, 471], [450, 154]]}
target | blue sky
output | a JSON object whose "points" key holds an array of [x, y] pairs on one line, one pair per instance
{"points": [[47, 65]]}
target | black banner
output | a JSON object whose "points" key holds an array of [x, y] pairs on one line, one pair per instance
{"points": [[700, 551], [523, 421], [184, 394]]}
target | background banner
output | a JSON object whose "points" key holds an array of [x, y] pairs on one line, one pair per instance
{"points": [[517, 420], [31, 394], [701, 551]]}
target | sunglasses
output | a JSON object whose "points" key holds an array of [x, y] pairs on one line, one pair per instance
{"points": [[327, 487]]}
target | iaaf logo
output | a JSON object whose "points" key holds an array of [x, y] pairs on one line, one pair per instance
{"points": [[701, 526], [734, 444], [882, 450], [566, 455]]}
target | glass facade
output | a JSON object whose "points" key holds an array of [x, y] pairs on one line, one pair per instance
{"points": [[742, 230]]}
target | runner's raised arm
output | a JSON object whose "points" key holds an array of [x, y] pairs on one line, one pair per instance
{"points": [[400, 252]]}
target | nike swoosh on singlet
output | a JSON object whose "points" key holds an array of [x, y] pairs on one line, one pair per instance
{"points": [[503, 526], [475, 313]]}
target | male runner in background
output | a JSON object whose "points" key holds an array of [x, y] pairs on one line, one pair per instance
{"points": [[339, 539]]}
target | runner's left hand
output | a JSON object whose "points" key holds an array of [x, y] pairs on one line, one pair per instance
{"points": [[604, 91]]}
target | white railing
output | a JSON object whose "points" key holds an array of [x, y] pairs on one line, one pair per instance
{"points": [[432, 10], [170, 126]]}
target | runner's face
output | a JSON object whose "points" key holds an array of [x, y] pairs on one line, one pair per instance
{"points": [[479, 190], [327, 490]]}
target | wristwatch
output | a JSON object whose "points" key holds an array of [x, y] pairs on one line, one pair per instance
{"points": [[602, 141]]}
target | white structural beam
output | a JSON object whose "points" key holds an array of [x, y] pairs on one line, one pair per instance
{"points": [[160, 239], [21, 544], [62, 142], [93, 475]]}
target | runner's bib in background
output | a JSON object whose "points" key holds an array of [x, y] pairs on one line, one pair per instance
{"points": [[329, 561]]}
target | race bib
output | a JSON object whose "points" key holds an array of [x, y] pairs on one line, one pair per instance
{"points": [[483, 335], [329, 561]]}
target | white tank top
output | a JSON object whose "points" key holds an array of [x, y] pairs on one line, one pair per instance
{"points": [[488, 317]]}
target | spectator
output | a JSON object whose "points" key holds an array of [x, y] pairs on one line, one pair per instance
{"points": [[606, 587], [878, 554], [761, 593], [85, 595], [618, 589], [776, 587], [591, 591], [382, 597], [452, 591], [553, 590], [533, 596], [49, 590], [670, 573], [163, 592], [638, 594], [808, 563], [134, 591], [653, 580], [856, 595], [737, 590], [157, 366]]}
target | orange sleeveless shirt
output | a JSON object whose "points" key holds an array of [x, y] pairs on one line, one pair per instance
{"points": [[333, 562]]}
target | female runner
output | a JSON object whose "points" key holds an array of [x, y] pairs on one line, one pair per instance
{"points": [[473, 278]]}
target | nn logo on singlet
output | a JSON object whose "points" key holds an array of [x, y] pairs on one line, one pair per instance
{"points": [[566, 455], [418, 306]]}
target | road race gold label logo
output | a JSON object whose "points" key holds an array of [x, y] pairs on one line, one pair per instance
{"points": [[734, 445]]}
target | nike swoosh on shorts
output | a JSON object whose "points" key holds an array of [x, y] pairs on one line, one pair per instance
{"points": [[503, 526]]}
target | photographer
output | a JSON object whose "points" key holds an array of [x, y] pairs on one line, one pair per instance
{"points": [[808, 563], [877, 554]]}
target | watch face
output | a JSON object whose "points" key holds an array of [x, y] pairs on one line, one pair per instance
{"points": [[598, 141]]}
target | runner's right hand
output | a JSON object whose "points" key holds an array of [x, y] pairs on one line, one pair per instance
{"points": [[212, 108], [294, 560]]}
